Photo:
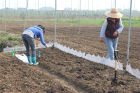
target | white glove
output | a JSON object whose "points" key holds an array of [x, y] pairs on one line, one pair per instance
{"points": [[46, 46]]}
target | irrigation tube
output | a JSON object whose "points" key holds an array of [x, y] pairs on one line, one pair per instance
{"points": [[25, 21], [55, 21], [129, 33]]}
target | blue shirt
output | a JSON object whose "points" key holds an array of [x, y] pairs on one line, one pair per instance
{"points": [[105, 25], [38, 33]]}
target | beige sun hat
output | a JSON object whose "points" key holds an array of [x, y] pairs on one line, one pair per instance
{"points": [[114, 13]]}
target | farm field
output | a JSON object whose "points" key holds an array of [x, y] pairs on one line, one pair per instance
{"points": [[67, 73], [88, 36]]}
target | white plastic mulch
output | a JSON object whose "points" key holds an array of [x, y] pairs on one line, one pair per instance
{"points": [[98, 59], [22, 57]]}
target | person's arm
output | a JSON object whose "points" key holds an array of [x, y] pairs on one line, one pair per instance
{"points": [[121, 27], [42, 39], [103, 29]]}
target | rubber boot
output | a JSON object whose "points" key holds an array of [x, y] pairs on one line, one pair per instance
{"points": [[34, 61], [29, 60]]}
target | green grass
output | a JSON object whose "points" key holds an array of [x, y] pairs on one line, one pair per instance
{"points": [[134, 21], [6, 37], [98, 21], [11, 19], [16, 42], [0, 43], [82, 21], [18, 35], [9, 38], [21, 20]]}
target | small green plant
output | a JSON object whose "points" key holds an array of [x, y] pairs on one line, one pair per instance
{"points": [[5, 38], [0, 43], [16, 42], [18, 35], [10, 37]]}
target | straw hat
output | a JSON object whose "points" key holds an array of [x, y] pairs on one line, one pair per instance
{"points": [[114, 13]]}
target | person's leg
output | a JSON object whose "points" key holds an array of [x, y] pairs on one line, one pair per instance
{"points": [[32, 44], [115, 43], [109, 45], [33, 53], [24, 38]]}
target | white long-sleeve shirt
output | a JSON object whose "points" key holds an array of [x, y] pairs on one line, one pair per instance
{"points": [[105, 25]]}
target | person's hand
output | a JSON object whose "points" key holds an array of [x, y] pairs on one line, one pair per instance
{"points": [[101, 39], [115, 34], [46, 46]]}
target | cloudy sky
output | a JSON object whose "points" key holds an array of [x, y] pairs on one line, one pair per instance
{"points": [[74, 4]]}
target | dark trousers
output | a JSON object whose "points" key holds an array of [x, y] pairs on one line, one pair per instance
{"points": [[29, 42]]}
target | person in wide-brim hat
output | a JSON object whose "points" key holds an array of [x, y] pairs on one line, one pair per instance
{"points": [[111, 30], [114, 13]]}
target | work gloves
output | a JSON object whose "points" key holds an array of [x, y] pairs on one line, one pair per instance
{"points": [[46, 46]]}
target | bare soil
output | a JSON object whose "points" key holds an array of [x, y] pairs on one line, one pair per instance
{"points": [[59, 72]]}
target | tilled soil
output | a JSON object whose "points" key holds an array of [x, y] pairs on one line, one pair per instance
{"points": [[59, 72], [67, 73], [85, 38], [17, 77], [91, 77]]}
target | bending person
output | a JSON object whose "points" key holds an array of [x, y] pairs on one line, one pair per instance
{"points": [[28, 36], [111, 30]]}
